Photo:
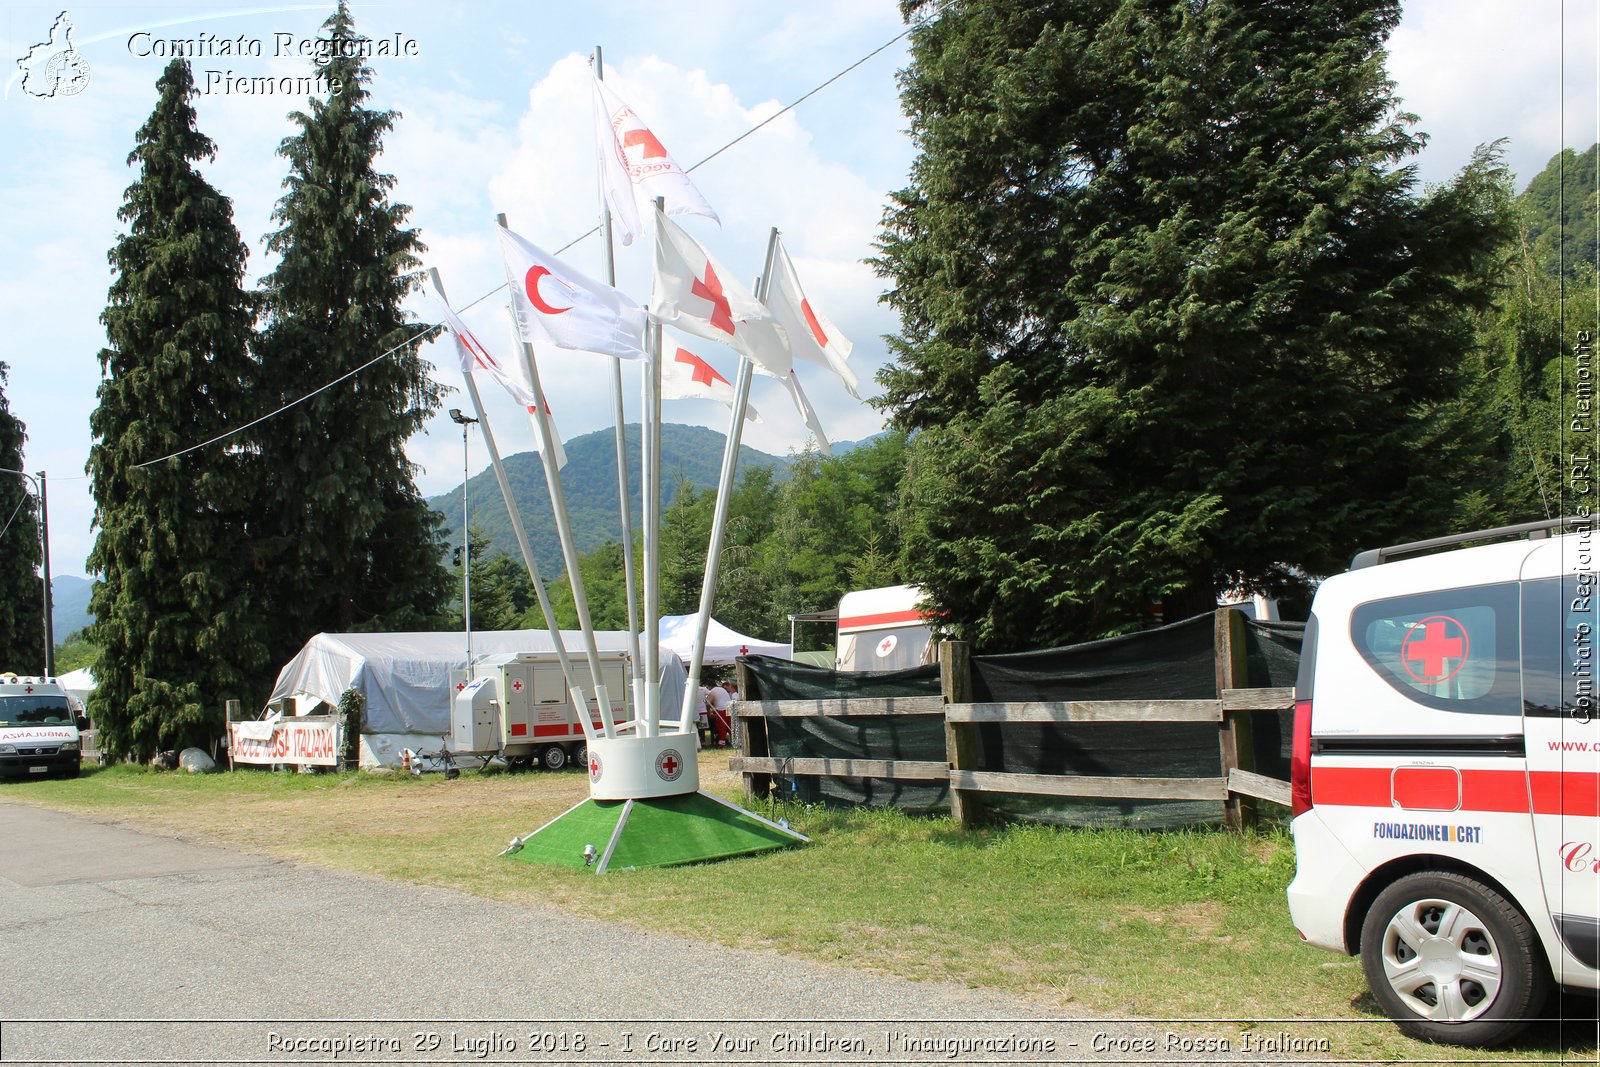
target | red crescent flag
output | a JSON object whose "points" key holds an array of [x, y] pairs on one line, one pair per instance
{"points": [[558, 306], [811, 336], [698, 295], [685, 376], [634, 167]]}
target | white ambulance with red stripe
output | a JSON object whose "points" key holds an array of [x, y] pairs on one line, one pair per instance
{"points": [[1446, 776], [882, 629]]}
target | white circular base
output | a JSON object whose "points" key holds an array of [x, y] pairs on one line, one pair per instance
{"points": [[631, 768]]}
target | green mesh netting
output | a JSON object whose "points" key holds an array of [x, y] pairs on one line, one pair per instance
{"points": [[1273, 651], [781, 679]]}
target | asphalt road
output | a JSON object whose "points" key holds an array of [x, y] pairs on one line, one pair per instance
{"points": [[122, 946]]}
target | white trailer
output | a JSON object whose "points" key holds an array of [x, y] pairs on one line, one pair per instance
{"points": [[517, 707], [882, 629]]}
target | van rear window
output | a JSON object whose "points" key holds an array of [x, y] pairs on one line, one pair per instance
{"points": [[1452, 649]]}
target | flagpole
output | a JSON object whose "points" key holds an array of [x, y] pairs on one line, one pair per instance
{"points": [[511, 509], [652, 488], [719, 520], [624, 497], [558, 504]]}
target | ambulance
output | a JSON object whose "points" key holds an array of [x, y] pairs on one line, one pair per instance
{"points": [[1446, 776], [40, 732]]}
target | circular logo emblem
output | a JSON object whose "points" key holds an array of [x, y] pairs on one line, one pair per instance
{"points": [[669, 765], [887, 645], [1435, 649], [594, 768], [66, 73]]}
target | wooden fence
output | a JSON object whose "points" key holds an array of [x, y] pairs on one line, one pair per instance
{"points": [[1237, 787]]}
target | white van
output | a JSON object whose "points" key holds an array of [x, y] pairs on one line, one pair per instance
{"points": [[1446, 776], [39, 729]]}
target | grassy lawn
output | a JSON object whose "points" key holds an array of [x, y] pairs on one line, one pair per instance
{"points": [[1172, 925]]}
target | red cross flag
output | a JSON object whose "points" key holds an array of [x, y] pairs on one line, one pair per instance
{"points": [[558, 306], [688, 377], [475, 357], [698, 295], [811, 336], [634, 166]]}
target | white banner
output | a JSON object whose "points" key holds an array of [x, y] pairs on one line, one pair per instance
{"points": [[314, 743]]}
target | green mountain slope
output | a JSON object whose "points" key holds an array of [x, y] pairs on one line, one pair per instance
{"points": [[1559, 209], [589, 481]]}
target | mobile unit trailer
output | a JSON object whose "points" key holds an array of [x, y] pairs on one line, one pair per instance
{"points": [[882, 629], [518, 708]]}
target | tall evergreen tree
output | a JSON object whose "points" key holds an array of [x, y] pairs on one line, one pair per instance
{"points": [[354, 546], [174, 610], [1175, 316], [21, 595]]}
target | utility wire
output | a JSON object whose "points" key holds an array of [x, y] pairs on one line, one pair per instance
{"points": [[581, 237]]}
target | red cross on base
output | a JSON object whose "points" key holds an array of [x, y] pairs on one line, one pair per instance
{"points": [[670, 765], [1428, 643]]}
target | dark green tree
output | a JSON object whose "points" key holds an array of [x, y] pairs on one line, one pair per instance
{"points": [[353, 545], [21, 592], [175, 620], [1175, 315]]}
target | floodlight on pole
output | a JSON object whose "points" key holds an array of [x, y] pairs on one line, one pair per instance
{"points": [[466, 422], [44, 545]]}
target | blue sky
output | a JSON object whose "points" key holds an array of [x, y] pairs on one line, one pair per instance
{"points": [[495, 113]]}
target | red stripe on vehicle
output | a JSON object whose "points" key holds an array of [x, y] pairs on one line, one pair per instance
{"points": [[559, 730], [519, 729], [1574, 793], [885, 618], [1371, 787]]}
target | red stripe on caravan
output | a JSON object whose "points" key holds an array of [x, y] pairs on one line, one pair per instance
{"points": [[559, 730], [886, 618], [519, 729]]}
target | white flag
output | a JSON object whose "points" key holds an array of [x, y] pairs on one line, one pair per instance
{"points": [[559, 306], [807, 412], [539, 444], [811, 336], [635, 167], [688, 377], [696, 294], [475, 357]]}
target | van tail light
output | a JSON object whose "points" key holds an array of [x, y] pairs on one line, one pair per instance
{"points": [[1300, 761]]}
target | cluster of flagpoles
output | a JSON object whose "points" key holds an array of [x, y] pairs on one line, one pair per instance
{"points": [[554, 306]]}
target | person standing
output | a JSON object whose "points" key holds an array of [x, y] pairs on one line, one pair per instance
{"points": [[721, 721]]}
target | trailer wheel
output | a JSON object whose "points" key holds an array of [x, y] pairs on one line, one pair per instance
{"points": [[553, 757]]}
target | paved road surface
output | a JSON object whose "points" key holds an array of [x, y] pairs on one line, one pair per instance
{"points": [[113, 943]]}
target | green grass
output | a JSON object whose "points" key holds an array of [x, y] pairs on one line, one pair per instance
{"points": [[1181, 924]]}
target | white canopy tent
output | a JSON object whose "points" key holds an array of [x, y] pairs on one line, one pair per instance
{"points": [[408, 679], [722, 644]]}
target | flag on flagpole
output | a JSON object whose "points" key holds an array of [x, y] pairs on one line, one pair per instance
{"points": [[688, 377], [634, 166], [539, 443], [696, 294], [807, 412], [558, 306], [475, 357], [811, 336]]}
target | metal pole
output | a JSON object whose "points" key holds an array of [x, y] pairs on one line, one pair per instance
{"points": [[49, 599], [466, 423]]}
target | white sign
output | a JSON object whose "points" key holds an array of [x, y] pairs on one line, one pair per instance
{"points": [[314, 744]]}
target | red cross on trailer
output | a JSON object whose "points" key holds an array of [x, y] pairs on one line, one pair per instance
{"points": [[517, 685], [1429, 643], [460, 686]]}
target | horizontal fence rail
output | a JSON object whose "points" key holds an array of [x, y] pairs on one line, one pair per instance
{"points": [[1237, 788]]}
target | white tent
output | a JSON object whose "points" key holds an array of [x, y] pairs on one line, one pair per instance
{"points": [[408, 679], [78, 684], [722, 644]]}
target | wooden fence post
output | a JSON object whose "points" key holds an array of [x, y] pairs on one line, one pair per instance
{"points": [[960, 739], [1235, 735], [753, 740]]}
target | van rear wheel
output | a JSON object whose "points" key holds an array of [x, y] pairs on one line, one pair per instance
{"points": [[1451, 960]]}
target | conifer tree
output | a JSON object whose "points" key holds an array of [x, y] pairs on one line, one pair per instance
{"points": [[21, 597], [175, 617], [1175, 314], [354, 546]]}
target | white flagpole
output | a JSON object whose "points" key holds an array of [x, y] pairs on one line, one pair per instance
{"points": [[516, 515], [569, 549], [719, 520], [651, 441], [625, 506]]}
